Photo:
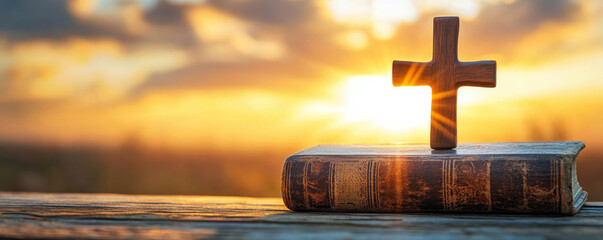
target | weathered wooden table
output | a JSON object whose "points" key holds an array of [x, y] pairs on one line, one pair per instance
{"points": [[39, 215]]}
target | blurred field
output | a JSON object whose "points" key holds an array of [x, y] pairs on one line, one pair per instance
{"points": [[132, 169]]}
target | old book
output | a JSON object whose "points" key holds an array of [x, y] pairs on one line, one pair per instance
{"points": [[537, 178]]}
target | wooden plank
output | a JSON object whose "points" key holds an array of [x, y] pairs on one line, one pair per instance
{"points": [[94, 216]]}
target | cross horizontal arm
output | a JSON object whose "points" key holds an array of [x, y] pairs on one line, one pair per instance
{"points": [[411, 73], [476, 74]]}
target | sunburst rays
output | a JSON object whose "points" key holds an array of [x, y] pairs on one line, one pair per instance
{"points": [[414, 74]]}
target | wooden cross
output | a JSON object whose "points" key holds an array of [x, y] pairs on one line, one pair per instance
{"points": [[444, 74]]}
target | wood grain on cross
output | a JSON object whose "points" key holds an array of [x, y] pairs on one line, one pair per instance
{"points": [[444, 74]]}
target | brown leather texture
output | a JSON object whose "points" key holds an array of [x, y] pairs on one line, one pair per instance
{"points": [[536, 183]]}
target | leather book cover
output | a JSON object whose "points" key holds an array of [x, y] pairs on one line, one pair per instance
{"points": [[537, 178]]}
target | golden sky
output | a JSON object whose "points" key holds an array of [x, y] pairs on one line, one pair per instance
{"points": [[267, 75]]}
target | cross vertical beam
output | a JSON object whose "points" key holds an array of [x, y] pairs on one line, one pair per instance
{"points": [[444, 74], [443, 87]]}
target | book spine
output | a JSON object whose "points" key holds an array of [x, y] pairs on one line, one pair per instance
{"points": [[375, 184]]}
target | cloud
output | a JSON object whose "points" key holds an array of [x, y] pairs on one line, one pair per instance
{"points": [[47, 20], [230, 33], [166, 13], [286, 76], [232, 37], [499, 28], [79, 69], [282, 14], [249, 43]]}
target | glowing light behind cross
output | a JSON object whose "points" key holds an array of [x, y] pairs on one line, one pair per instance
{"points": [[367, 98]]}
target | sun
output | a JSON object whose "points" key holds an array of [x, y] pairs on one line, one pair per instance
{"points": [[374, 99]]}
